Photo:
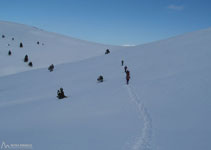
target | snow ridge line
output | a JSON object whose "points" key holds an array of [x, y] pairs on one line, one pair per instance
{"points": [[144, 141]]}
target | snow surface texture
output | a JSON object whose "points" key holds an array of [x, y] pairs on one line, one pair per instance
{"points": [[144, 142], [171, 77], [52, 48]]}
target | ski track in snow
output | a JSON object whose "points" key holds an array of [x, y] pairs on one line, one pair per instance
{"points": [[144, 141]]}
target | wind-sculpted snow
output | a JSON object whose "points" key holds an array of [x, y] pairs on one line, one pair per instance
{"points": [[144, 141]]}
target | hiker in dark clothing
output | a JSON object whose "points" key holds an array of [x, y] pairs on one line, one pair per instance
{"points": [[125, 69], [122, 62], [127, 76]]}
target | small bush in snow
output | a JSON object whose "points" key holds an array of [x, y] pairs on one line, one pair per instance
{"points": [[100, 78], [9, 53], [107, 51], [21, 45], [30, 64], [26, 59], [60, 94], [51, 67]]}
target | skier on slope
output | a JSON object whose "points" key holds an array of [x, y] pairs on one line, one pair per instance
{"points": [[127, 76]]}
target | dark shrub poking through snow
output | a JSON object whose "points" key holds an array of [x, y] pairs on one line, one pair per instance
{"points": [[30, 64], [51, 67], [107, 51], [38, 42], [3, 36], [60, 94], [100, 78], [21, 45], [9, 53], [26, 58]]}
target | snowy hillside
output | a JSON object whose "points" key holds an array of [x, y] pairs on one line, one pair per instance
{"points": [[166, 106], [51, 49]]}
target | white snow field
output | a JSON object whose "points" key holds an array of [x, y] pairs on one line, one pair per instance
{"points": [[166, 106], [52, 48]]}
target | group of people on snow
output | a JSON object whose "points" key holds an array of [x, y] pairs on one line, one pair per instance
{"points": [[100, 78]]}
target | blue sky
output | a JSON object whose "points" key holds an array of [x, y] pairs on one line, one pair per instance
{"points": [[117, 22]]}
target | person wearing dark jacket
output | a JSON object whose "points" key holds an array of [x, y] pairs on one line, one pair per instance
{"points": [[127, 76], [122, 62], [125, 69]]}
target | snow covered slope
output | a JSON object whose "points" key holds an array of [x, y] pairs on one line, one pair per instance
{"points": [[52, 48], [165, 107]]}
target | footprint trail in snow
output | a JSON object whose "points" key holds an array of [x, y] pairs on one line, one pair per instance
{"points": [[144, 141]]}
